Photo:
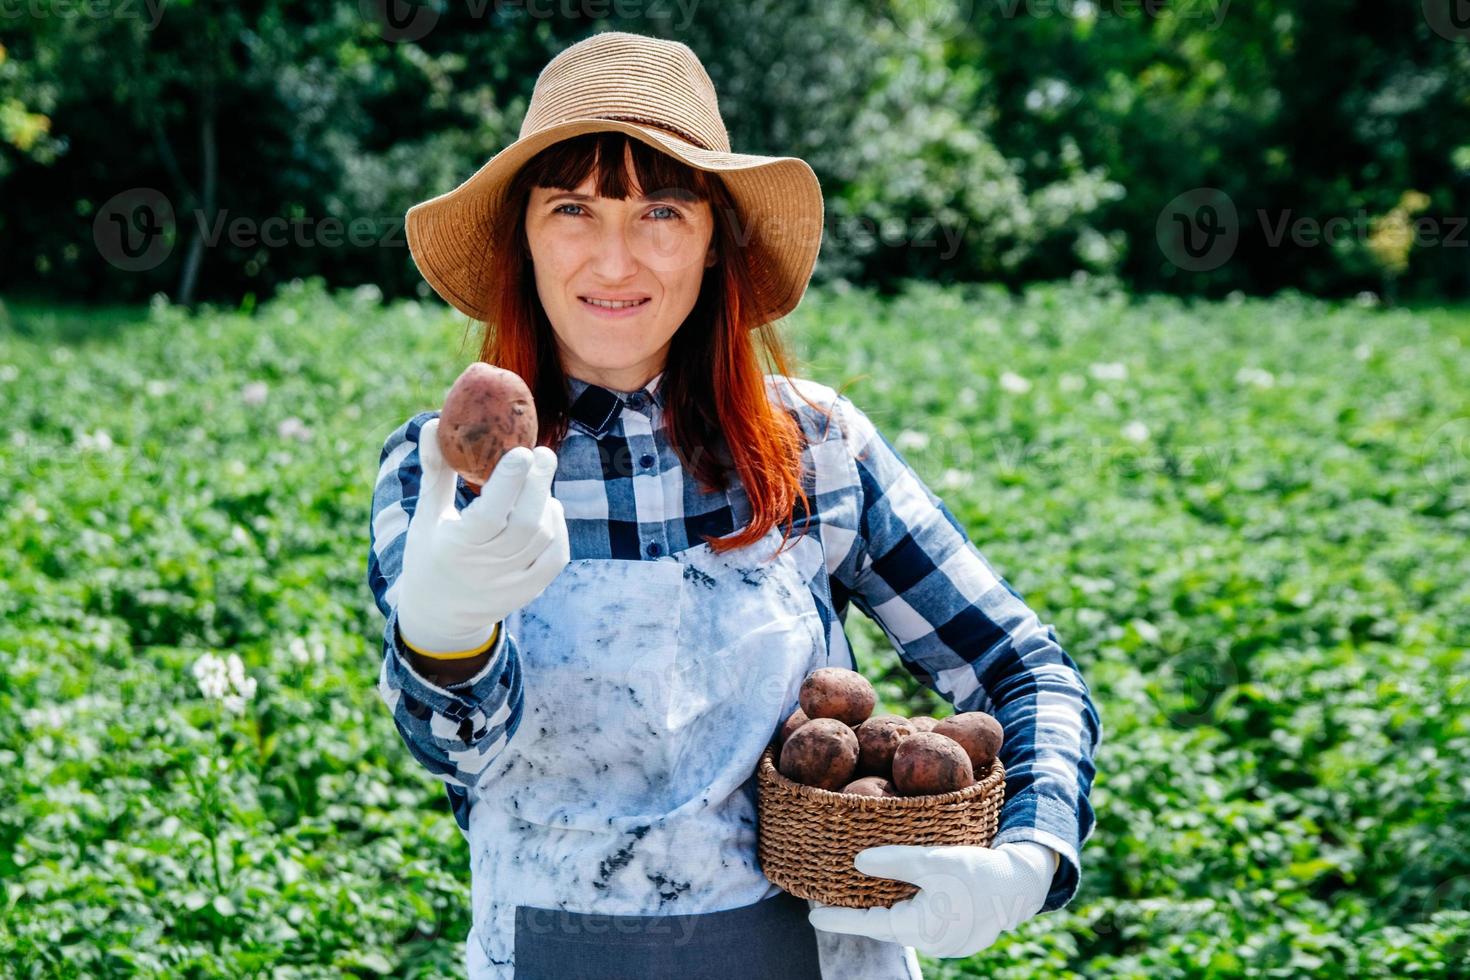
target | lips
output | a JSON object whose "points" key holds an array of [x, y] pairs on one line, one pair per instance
{"points": [[611, 304]]}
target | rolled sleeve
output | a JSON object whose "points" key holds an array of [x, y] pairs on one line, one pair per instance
{"points": [[964, 632], [453, 731]]}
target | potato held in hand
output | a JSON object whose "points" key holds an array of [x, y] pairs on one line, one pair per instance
{"points": [[487, 412], [928, 762], [822, 753]]}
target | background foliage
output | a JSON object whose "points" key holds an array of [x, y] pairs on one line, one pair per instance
{"points": [[955, 140]]}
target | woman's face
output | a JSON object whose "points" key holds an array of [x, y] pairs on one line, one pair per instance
{"points": [[653, 250]]}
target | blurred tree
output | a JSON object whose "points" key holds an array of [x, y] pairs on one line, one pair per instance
{"points": [[954, 139]]}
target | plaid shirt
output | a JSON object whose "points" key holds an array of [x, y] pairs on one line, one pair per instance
{"points": [[892, 549]]}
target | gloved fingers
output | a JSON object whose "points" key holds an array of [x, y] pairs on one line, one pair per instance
{"points": [[436, 479], [873, 922], [549, 563], [530, 505], [551, 531], [523, 522], [902, 862], [488, 514]]}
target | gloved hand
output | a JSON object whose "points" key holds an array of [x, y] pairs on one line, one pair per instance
{"points": [[967, 896], [465, 571]]}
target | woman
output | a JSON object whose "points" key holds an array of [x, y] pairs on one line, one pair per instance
{"points": [[592, 650]]}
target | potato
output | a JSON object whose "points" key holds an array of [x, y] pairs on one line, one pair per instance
{"points": [[793, 721], [488, 411], [922, 723], [871, 786], [836, 692], [979, 734], [823, 753], [928, 762], [877, 738]]}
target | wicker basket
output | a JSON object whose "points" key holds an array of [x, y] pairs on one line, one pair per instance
{"points": [[809, 835]]}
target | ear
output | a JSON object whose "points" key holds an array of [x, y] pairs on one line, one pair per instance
{"points": [[711, 257]]}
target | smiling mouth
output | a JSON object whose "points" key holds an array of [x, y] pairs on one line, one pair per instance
{"points": [[603, 304]]}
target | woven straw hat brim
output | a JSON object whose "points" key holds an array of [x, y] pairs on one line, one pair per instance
{"points": [[779, 200]]}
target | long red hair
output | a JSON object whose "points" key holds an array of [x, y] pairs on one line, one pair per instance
{"points": [[718, 414]]}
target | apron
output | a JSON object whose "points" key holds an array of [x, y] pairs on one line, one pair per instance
{"points": [[616, 830]]}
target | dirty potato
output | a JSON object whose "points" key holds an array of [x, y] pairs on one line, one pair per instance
{"points": [[836, 692], [871, 786], [928, 762], [793, 721], [487, 412], [877, 738], [823, 753], [978, 733]]}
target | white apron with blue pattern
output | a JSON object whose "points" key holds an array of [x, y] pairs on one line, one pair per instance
{"points": [[651, 688]]}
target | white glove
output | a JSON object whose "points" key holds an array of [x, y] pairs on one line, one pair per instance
{"points": [[465, 571], [967, 896]]}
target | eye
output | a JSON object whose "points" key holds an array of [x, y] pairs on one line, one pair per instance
{"points": [[568, 205], [672, 211]]}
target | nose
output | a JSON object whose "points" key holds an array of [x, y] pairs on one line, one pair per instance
{"points": [[614, 260]]}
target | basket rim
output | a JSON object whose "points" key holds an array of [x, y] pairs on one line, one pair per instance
{"points": [[982, 786]]}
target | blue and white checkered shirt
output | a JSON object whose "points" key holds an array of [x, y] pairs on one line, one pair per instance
{"points": [[892, 548]]}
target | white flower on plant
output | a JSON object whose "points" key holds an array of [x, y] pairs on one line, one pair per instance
{"points": [[157, 388], [1255, 376], [1014, 383], [911, 439], [1135, 431], [99, 440], [1363, 351], [209, 671], [1367, 298], [224, 679], [1109, 371], [255, 393], [1071, 382], [305, 651], [293, 428]]}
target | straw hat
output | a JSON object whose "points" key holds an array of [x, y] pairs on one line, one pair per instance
{"points": [[656, 91]]}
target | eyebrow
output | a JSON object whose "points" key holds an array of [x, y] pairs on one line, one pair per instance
{"points": [[672, 194]]}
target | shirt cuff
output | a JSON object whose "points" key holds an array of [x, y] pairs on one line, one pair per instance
{"points": [[449, 699], [1054, 825]]}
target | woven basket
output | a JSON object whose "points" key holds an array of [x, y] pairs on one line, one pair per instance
{"points": [[809, 835]]}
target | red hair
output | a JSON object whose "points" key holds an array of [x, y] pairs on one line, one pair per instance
{"points": [[718, 414]]}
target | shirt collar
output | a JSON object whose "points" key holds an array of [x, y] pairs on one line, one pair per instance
{"points": [[597, 408]]}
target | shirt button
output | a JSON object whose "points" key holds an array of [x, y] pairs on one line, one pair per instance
{"points": [[635, 400], [646, 460], [655, 549]]}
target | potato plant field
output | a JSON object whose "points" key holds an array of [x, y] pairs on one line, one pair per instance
{"points": [[1247, 519]]}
